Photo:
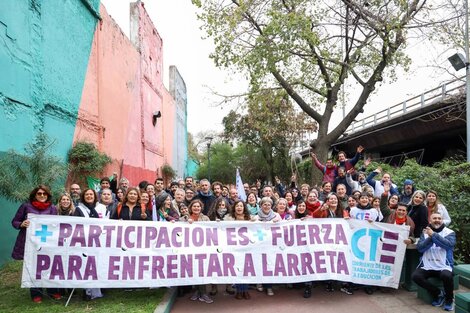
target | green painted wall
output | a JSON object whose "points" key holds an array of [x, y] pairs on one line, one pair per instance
{"points": [[44, 50]]}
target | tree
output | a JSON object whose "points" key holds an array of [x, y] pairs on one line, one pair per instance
{"points": [[223, 164], [20, 173], [311, 48], [271, 126]]}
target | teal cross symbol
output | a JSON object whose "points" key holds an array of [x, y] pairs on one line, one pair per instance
{"points": [[260, 234], [43, 233]]}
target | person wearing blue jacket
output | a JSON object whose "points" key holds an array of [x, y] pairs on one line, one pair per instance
{"points": [[437, 247]]}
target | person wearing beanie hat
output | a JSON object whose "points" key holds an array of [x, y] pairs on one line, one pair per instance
{"points": [[408, 190]]}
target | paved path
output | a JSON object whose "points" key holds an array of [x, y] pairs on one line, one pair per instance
{"points": [[291, 300]]}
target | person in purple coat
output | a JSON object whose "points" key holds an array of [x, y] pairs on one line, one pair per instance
{"points": [[40, 202]]}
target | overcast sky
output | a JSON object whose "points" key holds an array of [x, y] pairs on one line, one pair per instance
{"points": [[183, 46]]}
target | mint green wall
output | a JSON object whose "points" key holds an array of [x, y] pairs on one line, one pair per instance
{"points": [[44, 51]]}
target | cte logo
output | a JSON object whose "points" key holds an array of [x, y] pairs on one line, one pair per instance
{"points": [[374, 237]]}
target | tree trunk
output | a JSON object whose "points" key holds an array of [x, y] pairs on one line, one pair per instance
{"points": [[320, 148]]}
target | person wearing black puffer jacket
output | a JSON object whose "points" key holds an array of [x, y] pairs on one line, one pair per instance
{"points": [[418, 212]]}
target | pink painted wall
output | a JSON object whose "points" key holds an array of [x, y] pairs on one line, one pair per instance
{"points": [[123, 88]]}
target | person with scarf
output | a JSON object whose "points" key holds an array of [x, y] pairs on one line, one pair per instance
{"points": [[165, 211], [89, 207], [65, 205], [290, 201], [437, 244], [418, 212], [39, 202], [107, 200], [398, 216], [312, 202], [266, 214], [205, 195], [331, 208], [130, 209], [219, 209], [252, 203], [281, 209]]}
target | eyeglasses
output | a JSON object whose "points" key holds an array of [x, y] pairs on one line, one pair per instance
{"points": [[41, 194]]}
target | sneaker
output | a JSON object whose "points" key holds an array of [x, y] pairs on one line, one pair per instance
{"points": [[37, 299], [195, 296], [449, 306], [269, 292], [205, 298], [346, 290], [439, 301], [259, 287], [56, 296]]}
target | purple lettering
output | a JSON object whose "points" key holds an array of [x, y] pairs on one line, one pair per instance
{"points": [[200, 258], [275, 234], [43, 263], [214, 266], [242, 233], [65, 231], [172, 266], [186, 264], [231, 237], [292, 265], [127, 235], [78, 236], [314, 232], [94, 236], [157, 267], [176, 232], [341, 265], [113, 267], [75, 264], [90, 268], [264, 262], [279, 267], [300, 233], [319, 261], [143, 265], [249, 269], [306, 263], [57, 268], [326, 237], [228, 260], [128, 268], [331, 255], [150, 235], [340, 235]]}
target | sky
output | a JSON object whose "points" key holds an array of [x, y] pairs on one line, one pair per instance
{"points": [[184, 47]]}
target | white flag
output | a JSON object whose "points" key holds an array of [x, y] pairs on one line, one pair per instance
{"points": [[240, 189]]}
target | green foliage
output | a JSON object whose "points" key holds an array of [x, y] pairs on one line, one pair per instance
{"points": [[14, 299], [223, 164], [168, 172], [20, 173], [270, 126], [451, 180], [85, 160]]}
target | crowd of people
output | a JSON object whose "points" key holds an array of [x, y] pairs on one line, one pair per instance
{"points": [[345, 192]]}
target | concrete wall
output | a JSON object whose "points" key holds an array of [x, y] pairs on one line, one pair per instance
{"points": [[180, 140], [44, 51]]}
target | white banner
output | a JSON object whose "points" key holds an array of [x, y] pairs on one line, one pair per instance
{"points": [[78, 252]]}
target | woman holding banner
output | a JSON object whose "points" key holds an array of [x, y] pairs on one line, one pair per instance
{"points": [[195, 215], [331, 208], [130, 209], [266, 214], [240, 212], [39, 203]]}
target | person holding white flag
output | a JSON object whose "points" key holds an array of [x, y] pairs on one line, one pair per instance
{"points": [[240, 189]]}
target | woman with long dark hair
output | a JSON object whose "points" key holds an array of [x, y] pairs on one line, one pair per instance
{"points": [[39, 202]]}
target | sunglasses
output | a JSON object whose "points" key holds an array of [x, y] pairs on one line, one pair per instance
{"points": [[41, 194]]}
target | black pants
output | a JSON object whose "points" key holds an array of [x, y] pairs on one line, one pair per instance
{"points": [[420, 277], [38, 292]]}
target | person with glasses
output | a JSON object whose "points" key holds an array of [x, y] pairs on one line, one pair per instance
{"points": [[39, 202]]}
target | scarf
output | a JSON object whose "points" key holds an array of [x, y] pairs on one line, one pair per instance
{"points": [[311, 207], [290, 203], [437, 230], [253, 209], [65, 211], [263, 217], [400, 220], [40, 205], [91, 207], [195, 217]]}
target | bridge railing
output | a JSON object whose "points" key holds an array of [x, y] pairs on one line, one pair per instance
{"points": [[417, 102]]}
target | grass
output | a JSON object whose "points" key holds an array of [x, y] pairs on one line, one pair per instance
{"points": [[14, 299]]}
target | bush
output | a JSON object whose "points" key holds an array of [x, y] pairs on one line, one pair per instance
{"points": [[451, 180], [85, 160]]}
